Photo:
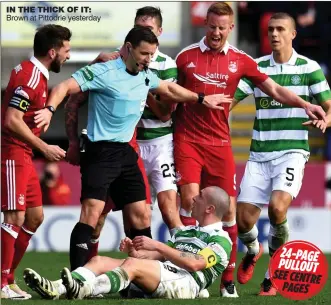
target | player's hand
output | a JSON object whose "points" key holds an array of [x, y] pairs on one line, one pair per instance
{"points": [[43, 118], [54, 153], [73, 153], [125, 245], [45, 127], [103, 57], [124, 52], [145, 243], [320, 124], [214, 101], [315, 112]]}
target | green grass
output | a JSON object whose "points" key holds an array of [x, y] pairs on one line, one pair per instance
{"points": [[50, 264]]}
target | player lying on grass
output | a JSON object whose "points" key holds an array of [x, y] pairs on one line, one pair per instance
{"points": [[190, 262]]}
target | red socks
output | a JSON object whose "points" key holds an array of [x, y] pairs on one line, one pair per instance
{"points": [[93, 248], [9, 234], [231, 228], [21, 244]]}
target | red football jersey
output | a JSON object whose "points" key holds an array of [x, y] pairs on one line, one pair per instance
{"points": [[26, 91], [202, 71]]}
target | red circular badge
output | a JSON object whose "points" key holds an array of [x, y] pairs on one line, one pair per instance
{"points": [[298, 270]]}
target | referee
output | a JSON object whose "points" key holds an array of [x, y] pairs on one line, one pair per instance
{"points": [[118, 93]]}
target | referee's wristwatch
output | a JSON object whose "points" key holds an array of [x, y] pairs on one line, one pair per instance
{"points": [[201, 97], [51, 109]]}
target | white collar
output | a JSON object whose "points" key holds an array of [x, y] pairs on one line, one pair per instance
{"points": [[214, 226], [204, 47], [40, 66], [156, 54], [291, 62]]}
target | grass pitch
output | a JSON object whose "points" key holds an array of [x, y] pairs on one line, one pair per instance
{"points": [[50, 265]]}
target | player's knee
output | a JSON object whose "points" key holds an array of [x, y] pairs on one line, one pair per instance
{"points": [[146, 219], [231, 214], [278, 206], [277, 213], [34, 222], [142, 217], [90, 215], [130, 262], [244, 220], [96, 260]]}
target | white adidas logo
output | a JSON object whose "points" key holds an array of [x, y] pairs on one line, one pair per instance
{"points": [[84, 246], [233, 265], [190, 65]]}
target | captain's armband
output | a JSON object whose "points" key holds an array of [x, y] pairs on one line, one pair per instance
{"points": [[19, 102], [209, 256]]}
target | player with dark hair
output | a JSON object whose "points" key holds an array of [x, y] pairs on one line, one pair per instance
{"points": [[118, 91], [21, 199], [279, 149], [203, 153]]}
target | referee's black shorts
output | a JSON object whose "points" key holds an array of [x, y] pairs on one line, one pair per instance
{"points": [[111, 167]]}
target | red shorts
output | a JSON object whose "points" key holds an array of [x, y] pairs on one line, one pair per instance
{"points": [[206, 165], [20, 187], [110, 205]]}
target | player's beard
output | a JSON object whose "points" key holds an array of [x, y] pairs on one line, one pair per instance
{"points": [[56, 64]]}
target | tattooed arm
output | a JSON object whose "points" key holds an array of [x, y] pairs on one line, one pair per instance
{"points": [[161, 110], [188, 261], [71, 121]]}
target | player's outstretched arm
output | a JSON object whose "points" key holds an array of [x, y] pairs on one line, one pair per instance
{"points": [[244, 89], [188, 261], [126, 246], [103, 57], [285, 96], [179, 94], [320, 124], [44, 116], [15, 123]]}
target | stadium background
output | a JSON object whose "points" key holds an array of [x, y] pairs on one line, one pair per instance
{"points": [[310, 214]]}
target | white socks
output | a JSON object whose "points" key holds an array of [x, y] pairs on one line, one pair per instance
{"points": [[249, 239]]}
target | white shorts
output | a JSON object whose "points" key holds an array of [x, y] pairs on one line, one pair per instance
{"points": [[159, 165], [262, 178], [175, 283]]}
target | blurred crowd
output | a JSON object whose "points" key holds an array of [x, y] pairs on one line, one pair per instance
{"points": [[312, 20], [54, 190]]}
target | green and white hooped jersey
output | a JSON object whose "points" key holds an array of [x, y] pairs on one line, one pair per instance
{"points": [[150, 127], [194, 238], [278, 127]]}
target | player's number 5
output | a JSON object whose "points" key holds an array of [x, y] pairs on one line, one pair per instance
{"points": [[290, 174]]}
